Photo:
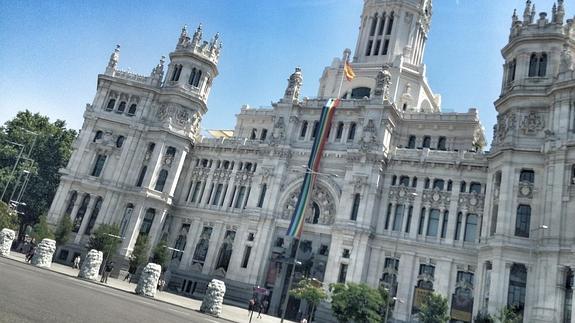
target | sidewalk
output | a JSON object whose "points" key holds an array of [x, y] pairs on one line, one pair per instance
{"points": [[229, 312]]}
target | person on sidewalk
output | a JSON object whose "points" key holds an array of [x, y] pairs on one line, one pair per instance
{"points": [[107, 270], [76, 262], [251, 304], [30, 253]]}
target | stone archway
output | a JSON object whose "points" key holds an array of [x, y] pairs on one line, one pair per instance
{"points": [[321, 208]]}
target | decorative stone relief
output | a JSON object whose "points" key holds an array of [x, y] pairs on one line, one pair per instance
{"points": [[383, 82], [148, 283], [532, 123], [294, 85], [278, 133], [244, 178], [472, 202], [213, 298], [200, 173], [436, 198], [402, 195], [6, 238], [91, 265], [222, 175], [566, 59], [505, 123], [266, 173], [177, 115], [525, 190], [359, 181], [44, 252], [321, 197]]}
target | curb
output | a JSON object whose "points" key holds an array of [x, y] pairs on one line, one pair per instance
{"points": [[15, 259]]}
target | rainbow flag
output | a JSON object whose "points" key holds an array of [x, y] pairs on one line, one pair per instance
{"points": [[296, 225]]}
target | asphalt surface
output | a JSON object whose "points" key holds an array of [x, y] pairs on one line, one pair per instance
{"points": [[30, 294]]}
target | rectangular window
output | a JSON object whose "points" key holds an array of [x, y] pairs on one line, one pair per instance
{"points": [[233, 194], [409, 215], [444, 225], [377, 45], [433, 224], [218, 194], [196, 191], [262, 195], [342, 273], [398, 218], [247, 197], [210, 194], [355, 207], [99, 165], [246, 258], [421, 222], [385, 47], [224, 195], [458, 226], [240, 197], [368, 49], [141, 177], [523, 220], [388, 216]]}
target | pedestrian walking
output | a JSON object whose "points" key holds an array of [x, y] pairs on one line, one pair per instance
{"points": [[30, 253], [107, 270], [259, 309], [77, 262], [161, 284], [251, 304], [127, 277]]}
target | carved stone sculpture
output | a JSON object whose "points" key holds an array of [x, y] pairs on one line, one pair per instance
{"points": [[214, 297], [294, 85], [383, 82], [44, 252], [148, 283], [91, 265], [566, 59], [6, 238]]}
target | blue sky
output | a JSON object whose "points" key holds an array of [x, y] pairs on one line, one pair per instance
{"points": [[52, 51]]}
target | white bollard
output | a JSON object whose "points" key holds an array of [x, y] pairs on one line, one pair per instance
{"points": [[91, 265], [148, 283], [6, 238], [214, 298], [44, 252]]}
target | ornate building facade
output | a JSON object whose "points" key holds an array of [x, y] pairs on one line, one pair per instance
{"points": [[406, 197]]}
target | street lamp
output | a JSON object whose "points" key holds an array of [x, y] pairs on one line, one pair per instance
{"points": [[110, 248]]}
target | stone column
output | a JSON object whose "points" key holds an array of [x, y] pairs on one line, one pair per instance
{"points": [[215, 243], [132, 231], [405, 285], [174, 176], [6, 238], [156, 228], [153, 165], [195, 231]]}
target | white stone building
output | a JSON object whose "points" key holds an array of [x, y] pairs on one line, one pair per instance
{"points": [[416, 204]]}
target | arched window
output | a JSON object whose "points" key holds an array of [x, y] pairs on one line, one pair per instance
{"points": [[542, 65], [438, 184], [315, 129], [390, 24], [197, 78], [303, 129], [93, 216], [254, 134], [433, 224], [381, 24], [339, 131], [373, 25], [351, 133], [176, 73], [264, 134], [132, 110], [147, 221], [533, 65], [121, 107], [411, 142], [511, 67], [99, 165], [470, 228], [192, 76], [462, 187], [414, 182], [458, 225], [126, 218], [527, 175], [517, 287], [98, 135], [171, 152], [262, 195], [355, 207], [426, 183], [316, 213], [161, 181], [141, 177], [360, 92], [475, 187], [81, 212], [449, 185], [71, 203], [441, 143], [111, 105], [404, 181], [426, 142], [394, 180], [398, 217], [523, 221], [120, 141]]}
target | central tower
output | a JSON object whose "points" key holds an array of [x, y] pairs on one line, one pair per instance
{"points": [[393, 27]]}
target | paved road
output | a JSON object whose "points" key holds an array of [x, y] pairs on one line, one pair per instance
{"points": [[30, 294]]}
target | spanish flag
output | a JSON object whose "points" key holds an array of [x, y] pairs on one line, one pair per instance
{"points": [[348, 72]]}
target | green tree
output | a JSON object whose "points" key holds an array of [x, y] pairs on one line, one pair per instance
{"points": [[310, 290], [139, 254], [508, 315], [160, 254], [62, 234], [105, 239], [434, 309], [356, 303], [8, 218], [483, 317], [52, 150], [42, 230]]}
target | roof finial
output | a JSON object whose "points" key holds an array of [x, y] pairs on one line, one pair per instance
{"points": [[554, 12], [113, 61], [197, 35], [527, 13], [560, 12], [514, 18], [184, 38]]}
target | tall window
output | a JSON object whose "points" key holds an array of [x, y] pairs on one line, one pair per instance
{"points": [[404, 181], [568, 303], [449, 185], [538, 65], [141, 176], [192, 76], [411, 142], [421, 222], [161, 181], [98, 135], [414, 182], [120, 141], [511, 67], [542, 70], [264, 134], [121, 107], [426, 183], [126, 218], [462, 187], [368, 48], [351, 133], [81, 212], [373, 25], [197, 186], [527, 175], [93, 216], [517, 287], [355, 207], [441, 143], [303, 129], [426, 142], [240, 197], [218, 194], [438, 184], [111, 105], [408, 221], [533, 65], [339, 130], [444, 224], [398, 218], [433, 224], [388, 216], [262, 195], [254, 134], [176, 73], [390, 24], [147, 222], [246, 257], [458, 225], [71, 203], [385, 47], [315, 129], [99, 165], [470, 228], [342, 273], [523, 221], [132, 110]]}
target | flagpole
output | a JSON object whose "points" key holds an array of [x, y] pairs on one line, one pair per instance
{"points": [[342, 74]]}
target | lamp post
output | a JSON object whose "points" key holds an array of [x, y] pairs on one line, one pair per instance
{"points": [[110, 247]]}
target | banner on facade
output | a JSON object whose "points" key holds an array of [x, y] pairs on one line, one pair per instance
{"points": [[462, 307], [419, 297]]}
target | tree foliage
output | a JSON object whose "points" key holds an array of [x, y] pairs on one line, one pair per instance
{"points": [[42, 230], [483, 317], [356, 303], [8, 218], [160, 255], [62, 234], [52, 150], [434, 309], [310, 290], [139, 253], [105, 239], [508, 315]]}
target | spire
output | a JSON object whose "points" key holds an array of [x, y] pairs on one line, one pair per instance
{"points": [[514, 18], [554, 12], [560, 12], [294, 85], [197, 35], [527, 17], [533, 12], [184, 39], [113, 62]]}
